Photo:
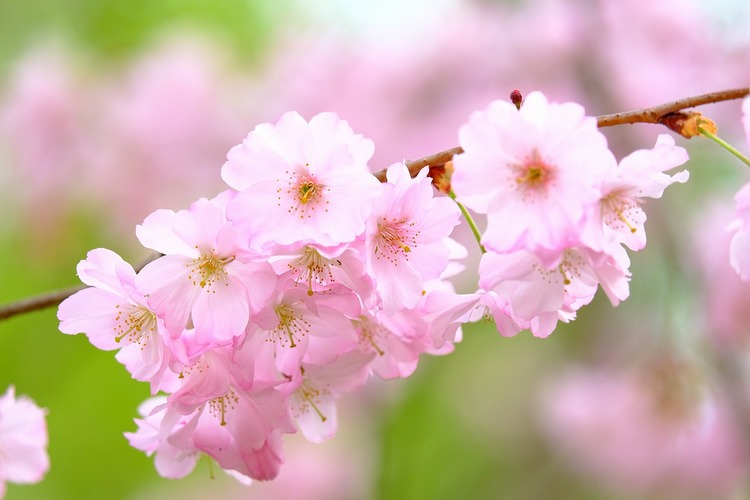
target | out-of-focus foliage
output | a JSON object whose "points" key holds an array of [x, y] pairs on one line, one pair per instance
{"points": [[118, 29]]}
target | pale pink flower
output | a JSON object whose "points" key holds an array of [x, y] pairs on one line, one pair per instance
{"points": [[725, 296], [114, 314], [739, 247], [534, 172], [317, 268], [206, 276], [536, 295], [405, 239], [300, 180], [23, 440], [398, 339], [295, 327], [170, 461], [211, 414], [317, 387], [618, 216]]}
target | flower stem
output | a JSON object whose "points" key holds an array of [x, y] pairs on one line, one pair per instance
{"points": [[469, 220], [724, 145]]}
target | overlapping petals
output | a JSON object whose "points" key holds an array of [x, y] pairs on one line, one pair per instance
{"points": [[307, 277]]}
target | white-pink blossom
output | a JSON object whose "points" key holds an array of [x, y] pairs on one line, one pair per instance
{"points": [[206, 277], [114, 314], [535, 172], [618, 215], [536, 295], [405, 238], [739, 247], [300, 180]]}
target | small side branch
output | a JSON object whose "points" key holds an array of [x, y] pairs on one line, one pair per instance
{"points": [[50, 299], [653, 114], [656, 113], [38, 302]]}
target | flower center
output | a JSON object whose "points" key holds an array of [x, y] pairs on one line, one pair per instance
{"points": [[534, 175], [302, 192], [311, 267], [219, 406], [371, 335], [617, 208], [395, 239], [308, 397], [307, 191], [207, 270], [292, 326], [136, 323]]}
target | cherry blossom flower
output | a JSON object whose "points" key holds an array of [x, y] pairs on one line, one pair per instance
{"points": [[405, 237], [534, 172], [206, 277], [317, 387], [318, 268], [537, 296], [295, 327], [308, 180], [618, 216], [739, 249], [114, 314], [23, 440]]}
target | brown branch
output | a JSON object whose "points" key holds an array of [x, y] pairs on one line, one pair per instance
{"points": [[50, 299], [653, 114], [38, 302]]}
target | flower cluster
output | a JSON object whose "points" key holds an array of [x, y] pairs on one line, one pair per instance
{"points": [[275, 297], [560, 209], [307, 276]]}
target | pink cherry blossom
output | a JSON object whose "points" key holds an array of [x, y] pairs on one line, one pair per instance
{"points": [[655, 431], [206, 275], [534, 172], [537, 296], [23, 440], [317, 387], [739, 247], [300, 180], [295, 327], [639, 175], [114, 314], [405, 237], [397, 340], [318, 267]]}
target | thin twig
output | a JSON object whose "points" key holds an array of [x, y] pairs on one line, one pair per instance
{"points": [[654, 114], [50, 299], [38, 302], [646, 115]]}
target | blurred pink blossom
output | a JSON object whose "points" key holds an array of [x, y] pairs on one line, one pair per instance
{"points": [[23, 440], [659, 430]]}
